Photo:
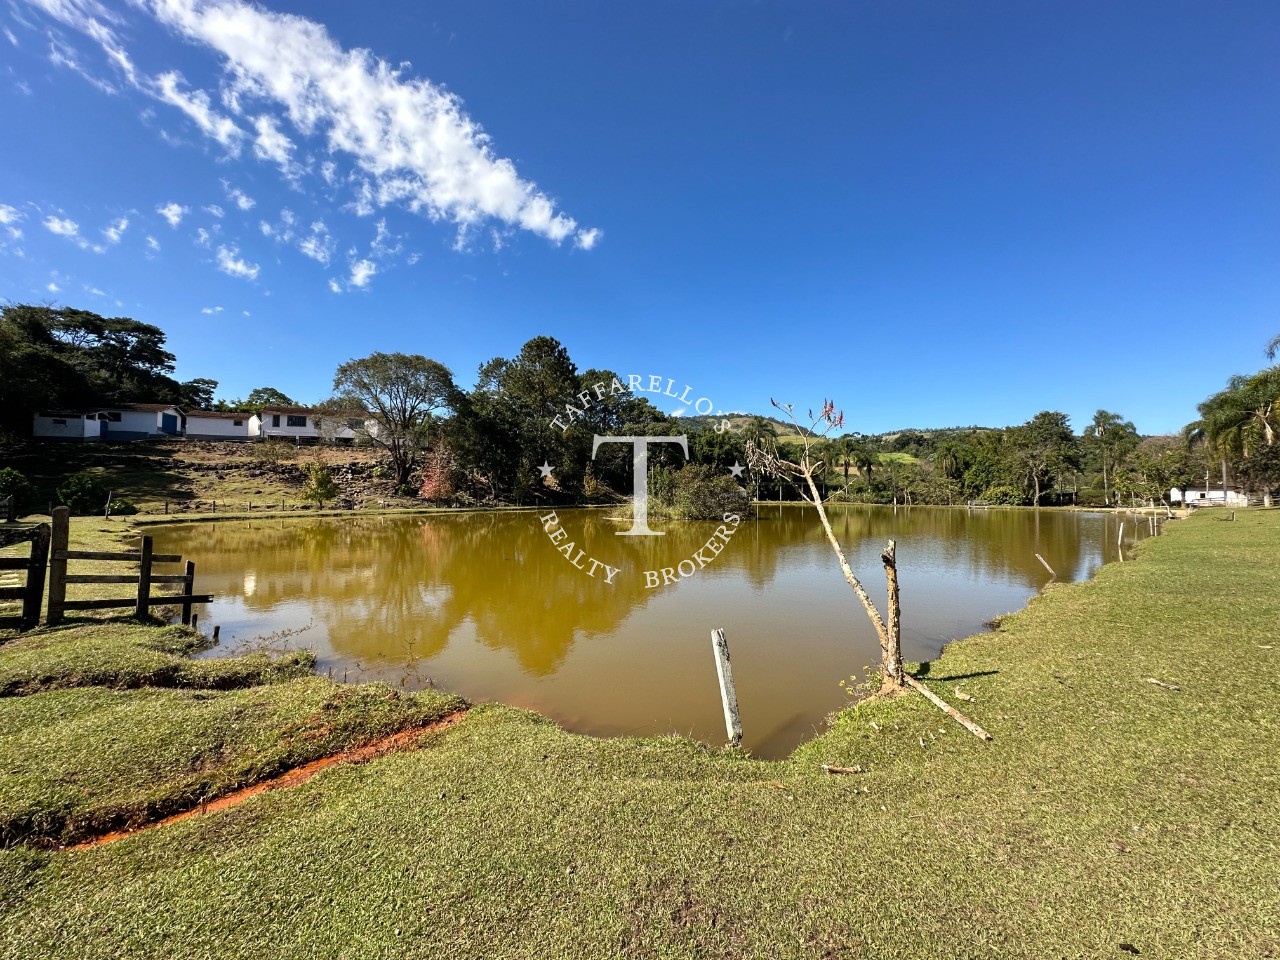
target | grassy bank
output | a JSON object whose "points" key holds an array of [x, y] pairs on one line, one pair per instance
{"points": [[1111, 816]]}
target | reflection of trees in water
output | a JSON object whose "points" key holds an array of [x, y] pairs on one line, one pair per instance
{"points": [[384, 586]]}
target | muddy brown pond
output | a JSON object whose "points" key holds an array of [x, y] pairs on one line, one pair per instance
{"points": [[483, 605]]}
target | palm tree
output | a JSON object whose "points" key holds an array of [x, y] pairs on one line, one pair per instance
{"points": [[1273, 347], [1240, 418], [1112, 435]]}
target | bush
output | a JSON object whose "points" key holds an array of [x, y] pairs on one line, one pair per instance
{"points": [[84, 493], [122, 507], [697, 492], [319, 486], [1004, 496], [272, 452], [14, 484]]}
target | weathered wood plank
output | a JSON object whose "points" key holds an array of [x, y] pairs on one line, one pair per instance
{"points": [[95, 604], [728, 695], [127, 556], [123, 578]]}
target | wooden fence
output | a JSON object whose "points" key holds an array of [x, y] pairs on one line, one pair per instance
{"points": [[31, 592], [144, 579]]}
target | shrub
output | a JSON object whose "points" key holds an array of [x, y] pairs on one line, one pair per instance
{"points": [[275, 451], [14, 484], [696, 492], [319, 486], [1004, 496], [122, 507], [85, 493]]}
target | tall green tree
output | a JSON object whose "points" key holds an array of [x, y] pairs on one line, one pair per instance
{"points": [[1044, 447], [1113, 438], [402, 393]]}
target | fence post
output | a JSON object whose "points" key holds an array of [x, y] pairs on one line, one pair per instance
{"points": [[188, 586], [142, 608], [35, 578], [9, 506], [728, 695], [58, 541]]}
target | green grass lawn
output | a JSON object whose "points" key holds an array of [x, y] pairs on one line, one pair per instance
{"points": [[1110, 817]]}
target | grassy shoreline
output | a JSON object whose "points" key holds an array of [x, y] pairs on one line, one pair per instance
{"points": [[1110, 812]]}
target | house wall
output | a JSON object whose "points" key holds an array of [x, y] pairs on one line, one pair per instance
{"points": [[269, 429], [71, 428], [218, 428]]}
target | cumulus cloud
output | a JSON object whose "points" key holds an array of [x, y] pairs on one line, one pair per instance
{"points": [[196, 104], [173, 212], [410, 141], [210, 310], [238, 197], [362, 272], [317, 244], [230, 263], [66, 227], [52, 287], [116, 230], [215, 210], [9, 218]]}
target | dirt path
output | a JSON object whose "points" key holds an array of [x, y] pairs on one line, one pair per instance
{"points": [[404, 740]]}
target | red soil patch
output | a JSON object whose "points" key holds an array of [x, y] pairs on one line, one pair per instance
{"points": [[404, 740]]}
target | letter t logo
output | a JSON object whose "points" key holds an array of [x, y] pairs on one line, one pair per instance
{"points": [[640, 483]]}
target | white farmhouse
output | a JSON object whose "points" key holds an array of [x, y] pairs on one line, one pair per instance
{"points": [[1208, 497], [216, 425], [122, 421], [67, 425], [306, 424], [138, 421]]}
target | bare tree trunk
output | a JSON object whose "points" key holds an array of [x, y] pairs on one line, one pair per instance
{"points": [[876, 621], [891, 652]]}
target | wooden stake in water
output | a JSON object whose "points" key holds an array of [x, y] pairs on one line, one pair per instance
{"points": [[1046, 566], [728, 696], [1120, 542]]}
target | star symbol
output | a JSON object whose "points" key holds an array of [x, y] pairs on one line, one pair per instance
{"points": [[736, 469], [546, 469]]}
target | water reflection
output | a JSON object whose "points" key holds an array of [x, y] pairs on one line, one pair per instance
{"points": [[484, 605]]}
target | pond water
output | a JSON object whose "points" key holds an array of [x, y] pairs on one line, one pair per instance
{"points": [[482, 604]]}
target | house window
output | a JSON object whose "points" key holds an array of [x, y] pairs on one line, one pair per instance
{"points": [[112, 415], [58, 422], [275, 419], [91, 416], [237, 423], [296, 421], [355, 423]]}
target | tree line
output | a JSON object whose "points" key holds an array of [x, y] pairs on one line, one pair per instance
{"points": [[493, 443]]}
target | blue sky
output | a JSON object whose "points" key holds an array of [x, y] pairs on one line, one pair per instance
{"points": [[936, 213]]}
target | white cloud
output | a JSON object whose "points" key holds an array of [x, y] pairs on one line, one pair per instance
{"points": [[408, 135], [10, 214], [229, 262], [362, 272], [214, 209], [587, 239], [410, 140], [8, 35], [66, 227], [196, 105], [245, 312], [238, 197], [202, 237], [62, 227], [211, 310], [173, 212], [318, 245], [334, 285], [52, 287], [114, 232], [153, 244], [270, 144]]}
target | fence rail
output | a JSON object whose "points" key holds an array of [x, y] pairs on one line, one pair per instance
{"points": [[144, 579], [31, 590]]}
